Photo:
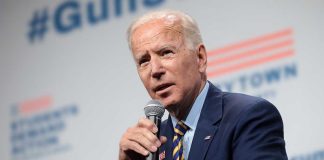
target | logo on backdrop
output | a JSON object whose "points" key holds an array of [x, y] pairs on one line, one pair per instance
{"points": [[36, 126], [254, 65], [70, 15]]}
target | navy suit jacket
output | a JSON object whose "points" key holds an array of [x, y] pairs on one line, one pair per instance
{"points": [[233, 126]]}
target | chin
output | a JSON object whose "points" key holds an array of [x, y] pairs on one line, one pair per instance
{"points": [[168, 100], [169, 103]]}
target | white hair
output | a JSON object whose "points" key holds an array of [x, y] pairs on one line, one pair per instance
{"points": [[191, 33]]}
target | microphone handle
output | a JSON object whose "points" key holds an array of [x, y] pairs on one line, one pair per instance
{"points": [[157, 122]]}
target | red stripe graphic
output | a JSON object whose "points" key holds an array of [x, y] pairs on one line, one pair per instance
{"points": [[250, 53], [283, 33], [36, 104], [251, 63], [256, 51]]}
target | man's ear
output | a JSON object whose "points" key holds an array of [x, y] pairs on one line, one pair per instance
{"points": [[202, 58]]}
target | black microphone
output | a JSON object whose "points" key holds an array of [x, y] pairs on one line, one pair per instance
{"points": [[154, 111]]}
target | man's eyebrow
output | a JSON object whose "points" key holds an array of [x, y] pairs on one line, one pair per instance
{"points": [[140, 55], [164, 47]]}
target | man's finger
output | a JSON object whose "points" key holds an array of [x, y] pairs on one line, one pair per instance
{"points": [[163, 139], [145, 138], [137, 148], [146, 123]]}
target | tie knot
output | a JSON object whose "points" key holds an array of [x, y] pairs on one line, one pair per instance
{"points": [[180, 128]]}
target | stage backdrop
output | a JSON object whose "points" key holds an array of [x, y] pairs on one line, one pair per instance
{"points": [[69, 87]]}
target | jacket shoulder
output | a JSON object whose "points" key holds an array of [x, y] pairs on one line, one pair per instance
{"points": [[240, 102]]}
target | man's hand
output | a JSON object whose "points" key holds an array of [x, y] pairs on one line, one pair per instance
{"points": [[138, 141]]}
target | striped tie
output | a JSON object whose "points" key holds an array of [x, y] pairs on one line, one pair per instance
{"points": [[179, 130]]}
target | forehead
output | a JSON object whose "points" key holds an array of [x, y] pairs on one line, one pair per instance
{"points": [[156, 33]]}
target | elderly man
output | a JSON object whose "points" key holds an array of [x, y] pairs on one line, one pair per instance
{"points": [[204, 122]]}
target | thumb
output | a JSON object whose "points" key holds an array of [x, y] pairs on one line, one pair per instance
{"points": [[163, 139]]}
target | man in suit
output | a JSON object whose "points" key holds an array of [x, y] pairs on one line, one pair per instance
{"points": [[204, 122]]}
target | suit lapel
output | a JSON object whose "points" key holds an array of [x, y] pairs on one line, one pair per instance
{"points": [[207, 124]]}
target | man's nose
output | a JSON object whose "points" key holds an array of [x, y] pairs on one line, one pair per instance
{"points": [[157, 68]]}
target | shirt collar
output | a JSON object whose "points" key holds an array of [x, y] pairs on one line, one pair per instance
{"points": [[193, 116]]}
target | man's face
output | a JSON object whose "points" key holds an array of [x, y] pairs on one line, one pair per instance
{"points": [[170, 72]]}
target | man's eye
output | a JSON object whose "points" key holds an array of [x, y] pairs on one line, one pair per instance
{"points": [[167, 52], [143, 61]]}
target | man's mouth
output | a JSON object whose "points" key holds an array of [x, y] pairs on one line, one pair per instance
{"points": [[162, 87]]}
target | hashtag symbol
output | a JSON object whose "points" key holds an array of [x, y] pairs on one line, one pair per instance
{"points": [[38, 25]]}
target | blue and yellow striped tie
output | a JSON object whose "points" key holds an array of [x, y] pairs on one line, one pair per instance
{"points": [[179, 130]]}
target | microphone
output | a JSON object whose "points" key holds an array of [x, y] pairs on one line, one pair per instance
{"points": [[154, 111]]}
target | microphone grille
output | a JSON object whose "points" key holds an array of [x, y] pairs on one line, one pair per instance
{"points": [[154, 108]]}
